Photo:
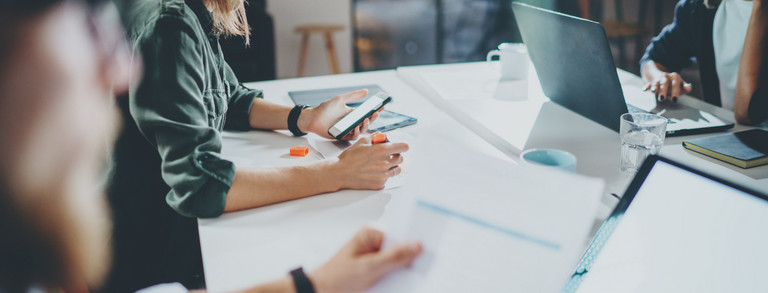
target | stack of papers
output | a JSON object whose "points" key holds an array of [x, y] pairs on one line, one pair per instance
{"points": [[527, 239]]}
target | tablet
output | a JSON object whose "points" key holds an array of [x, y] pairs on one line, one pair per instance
{"points": [[389, 120], [679, 230]]}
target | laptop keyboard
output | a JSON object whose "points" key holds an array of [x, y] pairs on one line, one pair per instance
{"points": [[635, 109]]}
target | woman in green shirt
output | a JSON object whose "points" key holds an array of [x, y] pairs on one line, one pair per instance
{"points": [[167, 169]]}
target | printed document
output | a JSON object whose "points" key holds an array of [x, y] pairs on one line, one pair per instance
{"points": [[527, 240]]}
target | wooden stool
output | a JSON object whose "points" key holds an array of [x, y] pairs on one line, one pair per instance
{"points": [[327, 32]]}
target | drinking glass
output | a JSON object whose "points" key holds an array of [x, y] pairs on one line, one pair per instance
{"points": [[642, 135]]}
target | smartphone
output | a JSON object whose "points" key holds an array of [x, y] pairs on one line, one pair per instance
{"points": [[356, 117]]}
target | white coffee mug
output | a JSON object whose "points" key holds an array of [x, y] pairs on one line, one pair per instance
{"points": [[513, 58]]}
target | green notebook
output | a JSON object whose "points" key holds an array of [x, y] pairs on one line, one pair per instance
{"points": [[745, 149]]}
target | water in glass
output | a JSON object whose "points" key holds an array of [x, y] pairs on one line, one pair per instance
{"points": [[636, 146]]}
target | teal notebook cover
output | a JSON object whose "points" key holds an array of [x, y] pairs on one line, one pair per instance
{"points": [[745, 149]]}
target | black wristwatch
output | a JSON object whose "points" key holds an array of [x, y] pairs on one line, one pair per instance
{"points": [[293, 120], [301, 281]]}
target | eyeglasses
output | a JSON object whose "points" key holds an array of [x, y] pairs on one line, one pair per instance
{"points": [[103, 23], [27, 7], [107, 30], [110, 38]]}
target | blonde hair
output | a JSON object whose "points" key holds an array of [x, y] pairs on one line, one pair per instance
{"points": [[229, 18]]}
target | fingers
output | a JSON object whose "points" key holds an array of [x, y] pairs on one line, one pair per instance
{"points": [[663, 88], [396, 257], [352, 96], [354, 134], [394, 171], [364, 125], [358, 130], [655, 88], [676, 85], [375, 115], [366, 240], [363, 141], [394, 148], [395, 160], [687, 88], [669, 87]]}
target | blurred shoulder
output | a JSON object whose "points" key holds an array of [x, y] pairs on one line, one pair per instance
{"points": [[153, 18]]}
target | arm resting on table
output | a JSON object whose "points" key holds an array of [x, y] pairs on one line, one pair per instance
{"points": [[749, 107]]}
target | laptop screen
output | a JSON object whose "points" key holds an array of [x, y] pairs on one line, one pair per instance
{"points": [[683, 232]]}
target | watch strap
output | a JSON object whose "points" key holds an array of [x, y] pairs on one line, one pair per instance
{"points": [[301, 281], [293, 120]]}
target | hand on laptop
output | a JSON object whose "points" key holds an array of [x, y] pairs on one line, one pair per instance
{"points": [[665, 85], [319, 119]]}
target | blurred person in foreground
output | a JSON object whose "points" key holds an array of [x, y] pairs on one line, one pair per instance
{"points": [[60, 63]]}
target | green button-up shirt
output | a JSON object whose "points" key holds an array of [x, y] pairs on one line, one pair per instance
{"points": [[187, 97], [166, 165]]}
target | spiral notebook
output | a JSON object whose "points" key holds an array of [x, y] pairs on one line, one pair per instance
{"points": [[745, 149]]}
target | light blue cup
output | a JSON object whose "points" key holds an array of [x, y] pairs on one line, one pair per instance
{"points": [[551, 158]]}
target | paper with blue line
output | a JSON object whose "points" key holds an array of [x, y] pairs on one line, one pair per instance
{"points": [[528, 240]]}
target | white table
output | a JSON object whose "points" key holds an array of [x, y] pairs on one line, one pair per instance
{"points": [[527, 119], [450, 145], [258, 245]]}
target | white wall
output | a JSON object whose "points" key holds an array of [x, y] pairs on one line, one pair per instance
{"points": [[287, 14]]}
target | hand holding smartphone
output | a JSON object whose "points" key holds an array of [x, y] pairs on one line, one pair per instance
{"points": [[353, 119]]}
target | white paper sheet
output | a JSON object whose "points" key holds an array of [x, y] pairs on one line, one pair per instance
{"points": [[526, 242], [328, 148]]}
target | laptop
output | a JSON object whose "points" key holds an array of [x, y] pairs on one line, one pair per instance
{"points": [[575, 66], [678, 230]]}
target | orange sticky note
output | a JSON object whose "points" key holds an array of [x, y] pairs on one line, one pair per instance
{"points": [[299, 151], [379, 138]]}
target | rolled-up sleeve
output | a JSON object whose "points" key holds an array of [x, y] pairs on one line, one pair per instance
{"points": [[240, 102], [169, 110], [674, 47]]}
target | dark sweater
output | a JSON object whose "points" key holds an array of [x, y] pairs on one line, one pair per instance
{"points": [[167, 170], [689, 38]]}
